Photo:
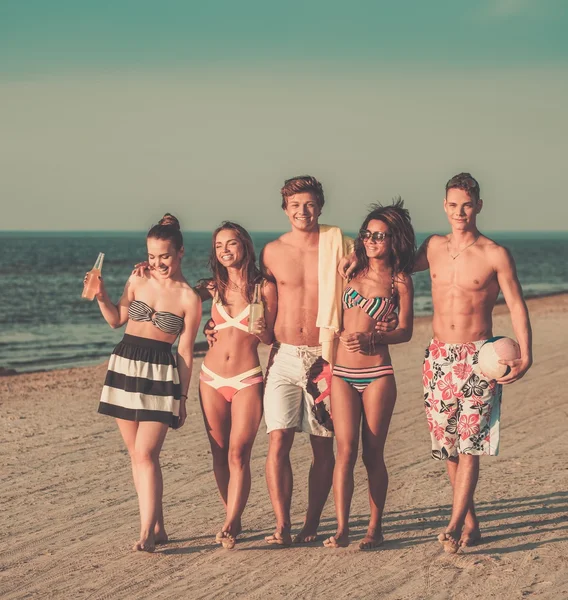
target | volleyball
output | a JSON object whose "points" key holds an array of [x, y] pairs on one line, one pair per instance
{"points": [[496, 349]]}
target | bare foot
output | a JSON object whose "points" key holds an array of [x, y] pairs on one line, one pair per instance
{"points": [[470, 538], [305, 538], [371, 540], [226, 539], [339, 540], [228, 542], [160, 537], [228, 530], [309, 533], [281, 537], [449, 542], [147, 545]]}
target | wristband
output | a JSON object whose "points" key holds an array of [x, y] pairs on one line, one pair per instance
{"points": [[183, 396]]}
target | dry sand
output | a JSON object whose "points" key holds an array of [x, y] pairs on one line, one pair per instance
{"points": [[70, 512]]}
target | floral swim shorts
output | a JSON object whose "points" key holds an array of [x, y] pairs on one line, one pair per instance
{"points": [[462, 406]]}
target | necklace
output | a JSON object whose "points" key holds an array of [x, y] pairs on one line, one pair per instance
{"points": [[235, 287], [454, 256]]}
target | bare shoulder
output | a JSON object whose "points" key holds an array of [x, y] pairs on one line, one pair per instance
{"points": [[500, 256], [434, 241], [277, 244], [430, 248], [190, 297], [268, 288], [137, 282], [403, 281], [271, 257], [133, 281], [271, 249]]}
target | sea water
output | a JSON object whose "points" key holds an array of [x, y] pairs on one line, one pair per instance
{"points": [[44, 324]]}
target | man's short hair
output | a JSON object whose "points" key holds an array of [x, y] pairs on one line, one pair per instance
{"points": [[465, 182], [300, 185]]}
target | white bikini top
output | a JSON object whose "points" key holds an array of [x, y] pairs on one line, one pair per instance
{"points": [[223, 319]]}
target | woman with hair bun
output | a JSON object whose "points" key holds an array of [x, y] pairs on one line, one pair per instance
{"points": [[146, 387], [231, 382], [363, 389]]}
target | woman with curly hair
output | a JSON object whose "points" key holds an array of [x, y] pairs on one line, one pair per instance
{"points": [[231, 382], [363, 388]]}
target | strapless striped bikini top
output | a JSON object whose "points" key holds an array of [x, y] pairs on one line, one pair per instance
{"points": [[378, 308], [165, 321]]}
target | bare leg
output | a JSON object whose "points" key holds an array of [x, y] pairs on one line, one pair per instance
{"points": [[320, 479], [346, 409], [149, 483], [246, 412], [470, 532], [217, 418], [465, 481], [280, 482], [378, 404]]}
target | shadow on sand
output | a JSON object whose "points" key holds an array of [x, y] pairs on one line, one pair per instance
{"points": [[533, 518]]}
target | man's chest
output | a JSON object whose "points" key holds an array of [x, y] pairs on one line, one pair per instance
{"points": [[465, 272], [296, 269]]}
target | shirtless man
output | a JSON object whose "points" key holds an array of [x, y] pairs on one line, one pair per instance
{"points": [[467, 271], [296, 397]]}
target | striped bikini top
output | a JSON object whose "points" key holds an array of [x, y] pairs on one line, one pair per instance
{"points": [[223, 319], [165, 321], [378, 308]]}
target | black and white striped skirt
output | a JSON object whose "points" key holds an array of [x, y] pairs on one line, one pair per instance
{"points": [[142, 382]]}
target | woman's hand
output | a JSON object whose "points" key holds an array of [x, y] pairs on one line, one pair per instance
{"points": [[360, 341], [259, 328], [140, 268], [182, 413], [210, 332], [99, 285], [390, 324]]}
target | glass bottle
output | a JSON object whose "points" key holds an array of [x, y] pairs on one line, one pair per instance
{"points": [[91, 281]]}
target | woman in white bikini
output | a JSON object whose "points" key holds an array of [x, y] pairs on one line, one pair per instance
{"points": [[231, 382], [146, 387], [363, 389]]}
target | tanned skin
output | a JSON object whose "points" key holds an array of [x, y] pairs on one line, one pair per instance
{"points": [[467, 270], [291, 262]]}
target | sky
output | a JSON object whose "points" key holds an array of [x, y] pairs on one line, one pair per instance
{"points": [[112, 113]]}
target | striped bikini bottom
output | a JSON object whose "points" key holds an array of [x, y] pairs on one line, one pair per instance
{"points": [[360, 378]]}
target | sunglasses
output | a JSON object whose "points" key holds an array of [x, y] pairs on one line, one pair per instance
{"points": [[375, 236]]}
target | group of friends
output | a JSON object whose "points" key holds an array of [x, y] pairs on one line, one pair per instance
{"points": [[332, 308]]}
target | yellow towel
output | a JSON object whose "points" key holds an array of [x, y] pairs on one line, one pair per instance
{"points": [[333, 246]]}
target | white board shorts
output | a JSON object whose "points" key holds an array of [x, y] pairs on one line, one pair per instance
{"points": [[297, 388]]}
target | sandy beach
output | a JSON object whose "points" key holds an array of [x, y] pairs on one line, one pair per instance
{"points": [[70, 512]]}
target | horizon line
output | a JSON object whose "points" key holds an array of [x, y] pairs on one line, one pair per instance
{"points": [[189, 231]]}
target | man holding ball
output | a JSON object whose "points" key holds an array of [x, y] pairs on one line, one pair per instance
{"points": [[467, 271]]}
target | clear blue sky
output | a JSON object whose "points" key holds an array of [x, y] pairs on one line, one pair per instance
{"points": [[115, 112]]}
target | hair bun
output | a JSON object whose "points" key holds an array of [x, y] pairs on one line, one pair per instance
{"points": [[169, 220]]}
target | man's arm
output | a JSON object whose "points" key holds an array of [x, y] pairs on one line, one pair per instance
{"points": [[421, 263], [513, 294], [265, 263]]}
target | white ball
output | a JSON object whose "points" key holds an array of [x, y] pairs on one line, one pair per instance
{"points": [[496, 349]]}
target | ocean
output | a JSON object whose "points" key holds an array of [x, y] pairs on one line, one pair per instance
{"points": [[44, 323]]}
